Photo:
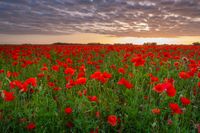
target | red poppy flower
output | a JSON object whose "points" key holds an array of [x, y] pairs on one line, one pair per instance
{"points": [[81, 81], [113, 66], [81, 74], [112, 120], [32, 81], [68, 110], [51, 84], [31, 126], [159, 88], [155, 111], [138, 61], [185, 101], [102, 77], [40, 75], [106, 75], [70, 84], [154, 79], [55, 68], [85, 92], [176, 64], [93, 98], [168, 87], [199, 84], [125, 82], [1, 71], [69, 61], [184, 75], [121, 71], [57, 89], [70, 71], [8, 96], [44, 68], [8, 74], [97, 114], [175, 108], [82, 68], [198, 75], [95, 75], [171, 91]]}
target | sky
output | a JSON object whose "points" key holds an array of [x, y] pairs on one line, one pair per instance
{"points": [[103, 21]]}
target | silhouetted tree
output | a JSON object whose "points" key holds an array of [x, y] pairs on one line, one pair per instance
{"points": [[196, 43], [150, 44]]}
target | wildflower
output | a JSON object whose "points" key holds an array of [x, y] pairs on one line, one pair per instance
{"points": [[93, 98], [171, 91], [95, 75], [32, 81], [175, 108], [69, 61], [156, 111], [31, 126], [70, 84], [159, 88], [112, 120], [199, 84], [40, 75], [125, 82], [44, 68], [70, 71], [121, 71], [106, 75], [184, 75], [97, 114], [55, 68], [176, 64], [138, 61], [198, 75], [154, 79], [8, 96], [1, 71], [102, 77], [81, 81], [57, 89], [51, 84], [81, 74], [185, 101], [68, 110], [167, 86], [8, 74]]}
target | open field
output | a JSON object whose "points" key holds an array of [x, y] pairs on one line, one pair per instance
{"points": [[101, 89]]}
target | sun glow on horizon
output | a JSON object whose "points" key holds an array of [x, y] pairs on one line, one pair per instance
{"points": [[160, 40], [85, 38], [145, 40]]}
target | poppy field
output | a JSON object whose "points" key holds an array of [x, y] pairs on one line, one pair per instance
{"points": [[99, 88]]}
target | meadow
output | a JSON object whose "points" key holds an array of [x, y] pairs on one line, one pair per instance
{"points": [[108, 88]]}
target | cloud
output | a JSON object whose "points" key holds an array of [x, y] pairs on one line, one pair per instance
{"points": [[139, 18]]}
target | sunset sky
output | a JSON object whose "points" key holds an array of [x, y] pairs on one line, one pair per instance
{"points": [[104, 21]]}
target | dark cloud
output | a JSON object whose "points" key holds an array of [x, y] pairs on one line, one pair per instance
{"points": [[141, 18]]}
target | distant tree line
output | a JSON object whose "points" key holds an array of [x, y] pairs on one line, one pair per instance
{"points": [[196, 43], [93, 43], [150, 44]]}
